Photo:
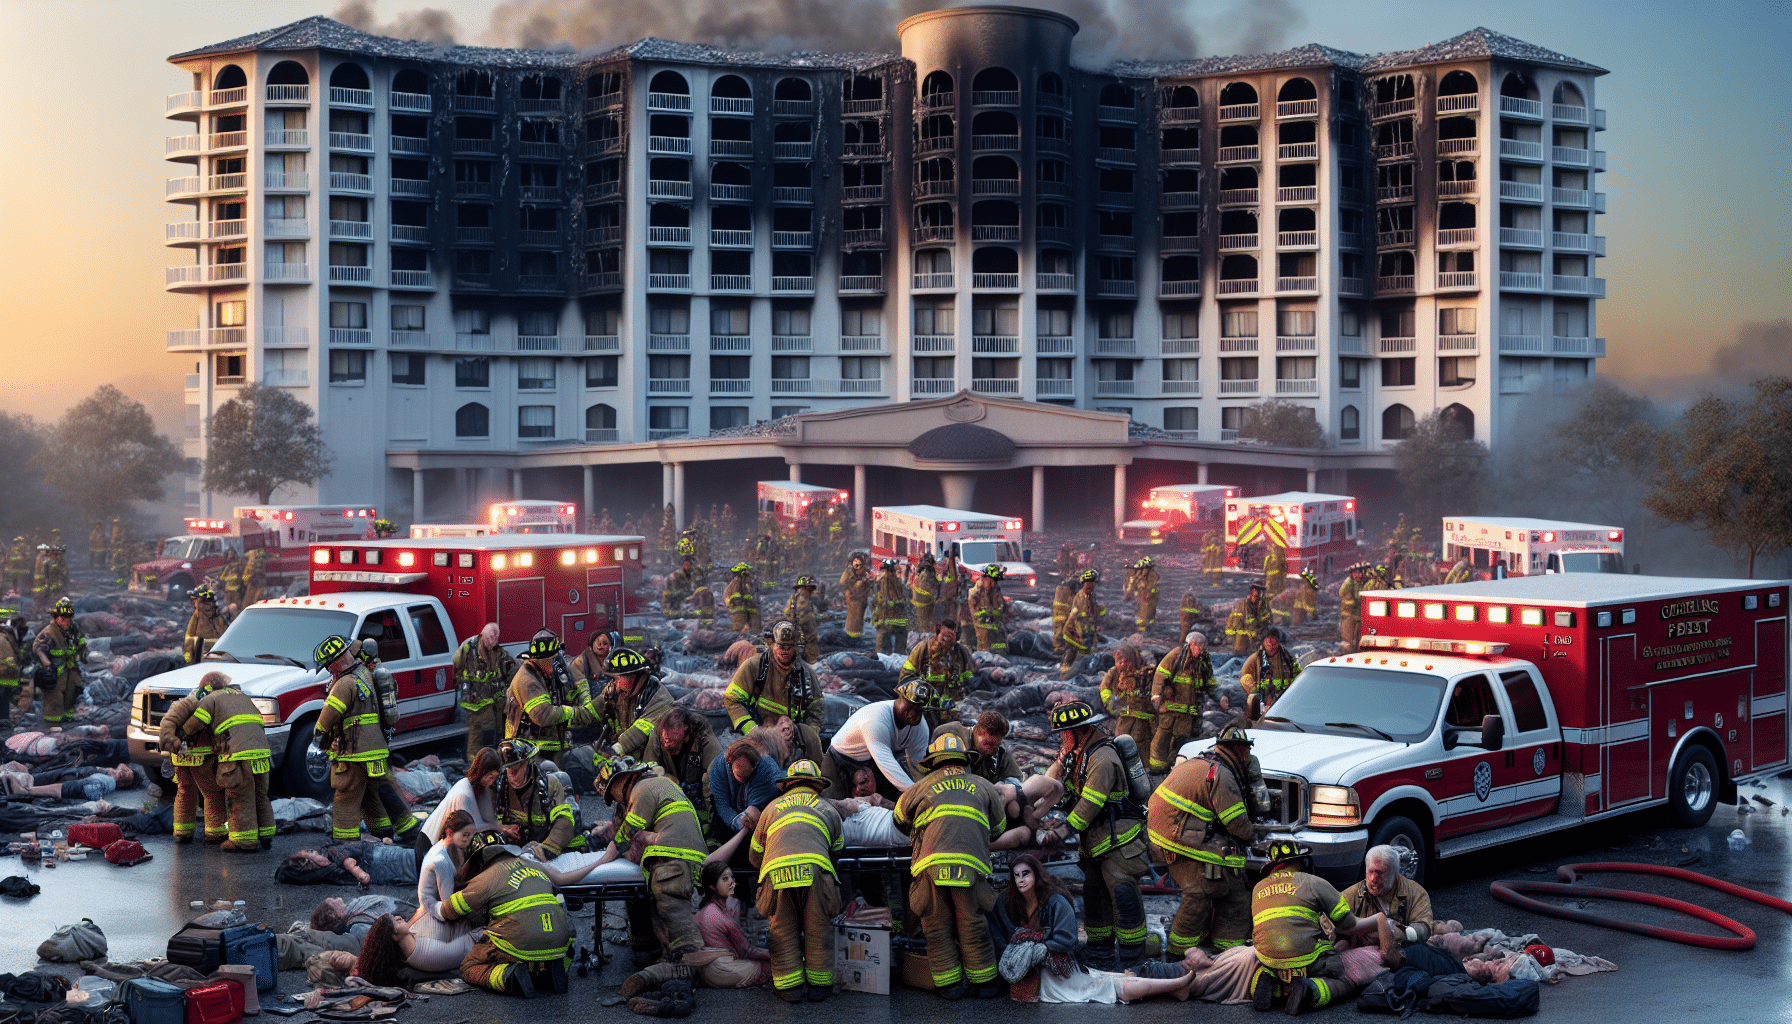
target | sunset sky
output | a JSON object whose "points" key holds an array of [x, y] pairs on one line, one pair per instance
{"points": [[1698, 195]]}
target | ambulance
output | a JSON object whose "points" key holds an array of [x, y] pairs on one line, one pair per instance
{"points": [[183, 562], [976, 539], [790, 503], [1490, 712], [1181, 514], [1532, 547], [420, 531], [1318, 530], [528, 516], [418, 598]]}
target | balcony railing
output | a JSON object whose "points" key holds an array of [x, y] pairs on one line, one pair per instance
{"points": [[1400, 106], [995, 98], [341, 97], [1228, 197], [792, 194], [1176, 157], [286, 378], [862, 193], [538, 343], [793, 108], [669, 101], [1060, 189], [184, 101], [290, 273], [996, 143], [613, 144], [793, 150], [1117, 387], [1117, 155], [934, 233], [1528, 238], [1297, 239], [995, 187], [792, 239], [1594, 286], [539, 193], [1571, 196], [1180, 243], [731, 148], [995, 232], [1238, 387], [1449, 189], [1297, 284], [1521, 344], [1519, 149], [791, 283], [668, 189], [174, 144], [350, 336], [1113, 289], [1298, 194], [1392, 193], [413, 279], [351, 275], [1568, 114], [1456, 343], [1297, 108], [669, 282], [1181, 388], [604, 279], [364, 143], [1521, 107], [227, 97], [1239, 343], [1401, 236], [602, 101], [933, 342], [1298, 386], [1396, 346], [1178, 115], [1118, 115], [668, 343], [862, 236], [410, 340], [996, 385], [731, 385], [861, 386], [540, 150], [1239, 154], [1350, 285], [1055, 344], [351, 229], [1522, 190], [933, 281], [1185, 200], [792, 343], [1179, 289], [1241, 112], [1236, 243], [474, 235], [1563, 241], [603, 343], [1298, 151], [1394, 283], [1055, 386], [1457, 279], [1458, 103], [1451, 237], [1297, 343], [672, 144], [852, 108], [343, 181], [668, 236], [669, 385], [1519, 280], [861, 282], [1578, 347], [227, 140], [1238, 286], [408, 186], [1116, 346], [602, 435], [995, 344], [1570, 156], [281, 138], [731, 282], [1055, 282], [1393, 150], [530, 236], [861, 343], [731, 104], [932, 385], [731, 193]]}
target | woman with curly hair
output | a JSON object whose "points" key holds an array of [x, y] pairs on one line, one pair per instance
{"points": [[729, 960], [381, 956]]}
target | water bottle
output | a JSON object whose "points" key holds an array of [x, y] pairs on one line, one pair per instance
{"points": [[1738, 841], [167, 768]]}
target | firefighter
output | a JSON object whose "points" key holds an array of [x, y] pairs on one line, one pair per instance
{"points": [[776, 682], [766, 548], [1269, 670], [947, 593], [192, 755], [1461, 572], [384, 529], [1180, 690], [855, 587], [702, 603], [1199, 821], [942, 662], [231, 578], [1190, 611], [684, 745], [1082, 627], [481, 669], [1275, 568], [952, 816], [743, 600], [52, 578], [923, 592], [18, 566], [527, 939], [1066, 561], [385, 688], [1141, 581], [1213, 558], [889, 609], [1350, 606], [1126, 696], [59, 649], [1249, 620], [653, 817], [1306, 597], [679, 584], [800, 609], [255, 575], [115, 542], [232, 724], [1110, 827], [12, 638], [349, 725], [532, 807], [96, 545], [1062, 597], [542, 703], [631, 704], [794, 844], [1294, 955], [989, 611], [205, 625]]}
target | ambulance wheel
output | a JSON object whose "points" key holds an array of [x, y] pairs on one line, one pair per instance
{"points": [[1692, 785], [306, 770], [1405, 836]]}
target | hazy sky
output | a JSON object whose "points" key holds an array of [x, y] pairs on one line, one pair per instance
{"points": [[1698, 196]]}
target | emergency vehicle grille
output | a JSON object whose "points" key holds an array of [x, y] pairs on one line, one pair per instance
{"points": [[1286, 801], [150, 708]]}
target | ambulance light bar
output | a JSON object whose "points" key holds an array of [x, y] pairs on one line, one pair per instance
{"points": [[1614, 535], [1472, 648], [207, 525], [1011, 524]]}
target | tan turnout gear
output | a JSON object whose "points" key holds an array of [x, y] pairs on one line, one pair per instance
{"points": [[242, 763], [538, 710], [1111, 848], [952, 816], [669, 863], [989, 613], [1182, 686], [743, 604], [525, 923], [195, 771], [480, 674], [1126, 693], [1292, 947], [64, 648], [800, 609], [761, 690], [1198, 822], [799, 893], [359, 770], [889, 611], [1141, 585], [855, 588]]}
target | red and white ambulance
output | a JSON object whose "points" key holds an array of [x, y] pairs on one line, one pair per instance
{"points": [[1180, 514], [1490, 712], [531, 516], [1531, 547], [182, 562], [417, 598], [975, 538], [791, 503], [1317, 530]]}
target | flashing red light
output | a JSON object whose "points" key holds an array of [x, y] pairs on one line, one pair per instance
{"points": [[1350, 506], [1614, 535], [948, 527], [567, 509], [844, 496], [510, 511], [286, 516], [1549, 537], [1012, 524], [348, 513]]}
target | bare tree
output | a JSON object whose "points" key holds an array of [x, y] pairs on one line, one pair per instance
{"points": [[1276, 422], [262, 440], [104, 453], [1442, 470], [1726, 469]]}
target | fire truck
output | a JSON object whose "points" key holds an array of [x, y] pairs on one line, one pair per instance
{"points": [[183, 562], [1181, 514], [1482, 713], [1318, 530], [534, 517], [417, 598], [1532, 547], [791, 503], [976, 539]]}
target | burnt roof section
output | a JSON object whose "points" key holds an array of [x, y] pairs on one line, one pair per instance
{"points": [[962, 442], [1479, 44], [1312, 55], [321, 33], [1475, 44]]}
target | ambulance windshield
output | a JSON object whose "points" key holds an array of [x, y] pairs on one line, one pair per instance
{"points": [[1592, 561], [983, 552], [1401, 704], [271, 632]]}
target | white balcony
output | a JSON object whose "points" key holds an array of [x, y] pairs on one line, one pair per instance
{"points": [[340, 97], [1116, 346], [1228, 197], [351, 229], [1529, 191], [189, 339], [1570, 156], [286, 273], [1297, 284], [1299, 387], [1240, 154], [355, 143], [791, 194], [192, 381], [184, 101], [290, 138], [1518, 280], [539, 193], [1179, 115], [1567, 114], [731, 385], [182, 186], [602, 435], [1298, 194], [791, 284], [669, 282], [1401, 236], [1237, 243], [932, 385], [730, 239], [1458, 103], [862, 193], [1241, 112], [1239, 343], [793, 239], [414, 340], [1593, 286], [731, 148], [668, 235], [995, 232], [793, 150], [1521, 107], [228, 97], [1110, 288], [1298, 151], [668, 343], [1594, 347], [1350, 285], [351, 275], [792, 343], [669, 386], [342, 181], [1521, 344], [286, 378], [1238, 387], [422, 279], [1054, 386], [669, 144], [1571, 197], [1297, 239], [1394, 283], [678, 102], [176, 145], [1457, 343], [996, 385], [1297, 343], [1563, 241], [1457, 280], [1117, 115], [1297, 108], [1116, 387], [1055, 344], [995, 344], [1179, 289], [1451, 189], [861, 386], [1181, 388], [1518, 149], [934, 281], [602, 343], [861, 282], [350, 336], [1458, 147], [1397, 346], [933, 342], [730, 282], [861, 343], [731, 104], [669, 189], [1451, 238], [1238, 286], [408, 186], [1523, 238]]}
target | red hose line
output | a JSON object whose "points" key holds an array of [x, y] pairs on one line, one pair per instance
{"points": [[1742, 936]]}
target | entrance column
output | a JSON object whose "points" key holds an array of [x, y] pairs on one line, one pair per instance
{"points": [[463, 482], [1038, 523], [1312, 481], [858, 502], [678, 493], [1119, 496], [959, 490], [516, 484], [665, 491], [588, 513], [796, 472], [1200, 472], [416, 495], [1343, 480]]}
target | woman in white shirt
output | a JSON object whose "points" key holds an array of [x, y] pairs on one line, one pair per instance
{"points": [[430, 941], [474, 794]]}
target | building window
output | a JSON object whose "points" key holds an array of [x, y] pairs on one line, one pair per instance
{"points": [[407, 318], [1296, 368], [861, 368], [790, 323], [1239, 368], [1396, 423], [231, 314], [600, 372], [603, 323], [472, 420], [669, 320], [407, 368], [1350, 374], [348, 315], [1455, 371], [790, 367], [730, 367], [1398, 373], [1116, 324], [1350, 325], [535, 374], [1182, 325], [669, 367], [227, 367], [668, 417], [1238, 323], [472, 321], [862, 323], [1182, 369], [728, 321], [721, 417], [537, 324], [473, 373], [535, 421], [1182, 417], [1296, 323], [1456, 321], [1350, 424], [1398, 323], [935, 319], [347, 367], [1231, 419], [781, 411]]}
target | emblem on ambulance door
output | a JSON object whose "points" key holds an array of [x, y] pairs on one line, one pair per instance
{"points": [[1483, 781], [441, 679], [1537, 761]]}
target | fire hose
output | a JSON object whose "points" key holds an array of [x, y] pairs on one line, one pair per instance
{"points": [[1741, 937]]}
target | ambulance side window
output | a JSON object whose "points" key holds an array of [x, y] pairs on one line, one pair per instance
{"points": [[384, 627], [428, 627], [901, 546], [1527, 705], [1472, 699]]}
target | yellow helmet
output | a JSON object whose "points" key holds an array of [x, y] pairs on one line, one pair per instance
{"points": [[802, 773], [742, 569], [331, 648], [544, 644], [618, 768], [626, 662], [946, 748]]}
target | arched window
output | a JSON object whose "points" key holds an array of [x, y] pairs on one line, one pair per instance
{"points": [[1518, 87], [1568, 95], [1116, 95], [1296, 218], [995, 259], [937, 86], [349, 76], [728, 173], [796, 89], [1238, 94], [671, 83], [1350, 424], [230, 77], [472, 420], [1183, 97], [1296, 89], [730, 87], [1238, 268], [1458, 416], [289, 72], [1457, 83], [599, 417], [995, 122], [1396, 423], [1051, 84], [995, 80]]}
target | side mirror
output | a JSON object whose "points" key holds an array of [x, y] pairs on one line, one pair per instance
{"points": [[1493, 732], [1026, 555]]}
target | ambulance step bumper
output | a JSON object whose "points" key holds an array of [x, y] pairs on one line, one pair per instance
{"points": [[433, 734], [1509, 834]]}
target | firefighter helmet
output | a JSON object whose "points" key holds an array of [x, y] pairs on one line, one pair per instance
{"points": [[784, 631], [384, 528], [803, 581], [544, 644], [1275, 633], [858, 556], [742, 569], [945, 749], [994, 571], [889, 565], [329, 650], [517, 751], [1144, 563], [802, 773], [1233, 734], [1257, 586], [626, 662], [1284, 851], [203, 593], [1195, 636], [1310, 577], [488, 848], [368, 650], [1360, 567], [686, 546], [1073, 713], [1089, 576], [916, 691], [618, 768]]}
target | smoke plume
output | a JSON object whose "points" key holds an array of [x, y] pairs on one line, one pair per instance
{"points": [[1760, 350], [429, 25], [1143, 29]]}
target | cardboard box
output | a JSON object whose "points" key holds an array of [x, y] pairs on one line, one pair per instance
{"points": [[917, 971], [862, 958]]}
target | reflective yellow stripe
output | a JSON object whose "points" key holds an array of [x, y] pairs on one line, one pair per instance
{"points": [[793, 818], [335, 704], [1341, 911], [674, 852], [1184, 804], [247, 755], [961, 859], [203, 715], [1294, 962], [795, 859], [459, 902], [235, 720], [1276, 913], [535, 702], [954, 811], [1232, 812], [368, 719], [541, 899], [557, 953]]}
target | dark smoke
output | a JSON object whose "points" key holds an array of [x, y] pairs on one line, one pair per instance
{"points": [[1143, 29], [429, 25]]}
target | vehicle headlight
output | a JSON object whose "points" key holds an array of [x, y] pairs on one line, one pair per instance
{"points": [[269, 708], [1335, 807]]}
